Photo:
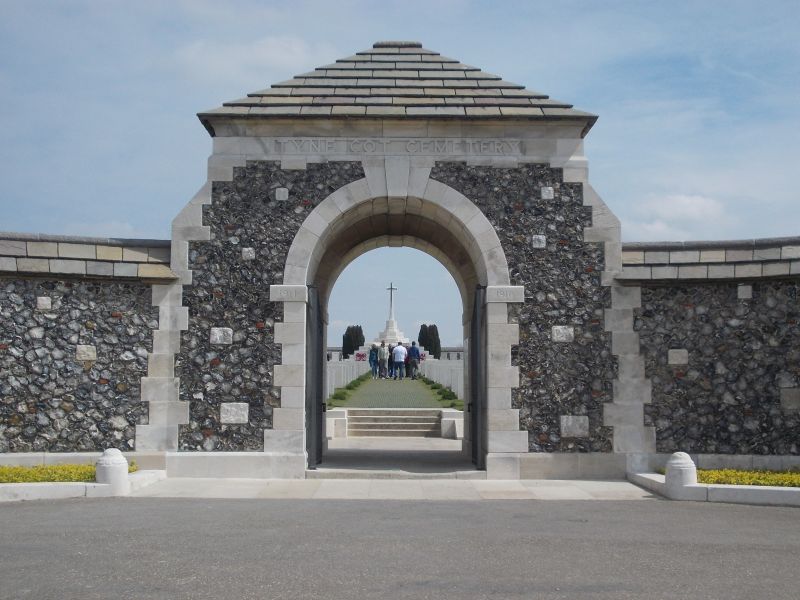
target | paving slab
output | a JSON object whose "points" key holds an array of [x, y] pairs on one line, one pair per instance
{"points": [[391, 489]]}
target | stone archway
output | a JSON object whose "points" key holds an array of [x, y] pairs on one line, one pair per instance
{"points": [[397, 204]]}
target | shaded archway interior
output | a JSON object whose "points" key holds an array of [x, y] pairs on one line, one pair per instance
{"points": [[355, 234]]}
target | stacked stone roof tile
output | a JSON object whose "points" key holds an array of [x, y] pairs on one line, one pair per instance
{"points": [[398, 80]]}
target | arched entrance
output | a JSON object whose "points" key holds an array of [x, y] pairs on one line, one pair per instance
{"points": [[397, 204]]}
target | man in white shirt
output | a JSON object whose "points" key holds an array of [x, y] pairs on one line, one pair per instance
{"points": [[399, 358]]}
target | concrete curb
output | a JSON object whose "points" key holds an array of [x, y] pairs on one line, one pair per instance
{"points": [[13, 492], [733, 494]]}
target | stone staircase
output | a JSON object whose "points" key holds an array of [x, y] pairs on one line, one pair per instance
{"points": [[394, 422]]}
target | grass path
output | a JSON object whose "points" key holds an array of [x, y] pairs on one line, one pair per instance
{"points": [[388, 393]]}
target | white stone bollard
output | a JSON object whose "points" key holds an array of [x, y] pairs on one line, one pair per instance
{"points": [[112, 468], [681, 472]]}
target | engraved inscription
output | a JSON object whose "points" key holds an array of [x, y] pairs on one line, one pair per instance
{"points": [[384, 146]]}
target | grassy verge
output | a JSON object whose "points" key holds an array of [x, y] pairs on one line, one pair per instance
{"points": [[51, 473], [445, 396], [340, 396]]}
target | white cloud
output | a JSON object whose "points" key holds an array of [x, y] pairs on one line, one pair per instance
{"points": [[683, 208], [252, 63], [675, 217]]}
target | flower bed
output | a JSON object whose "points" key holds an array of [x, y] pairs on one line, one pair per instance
{"points": [[51, 473]]}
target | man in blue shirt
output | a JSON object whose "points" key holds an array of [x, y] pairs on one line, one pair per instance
{"points": [[413, 359]]}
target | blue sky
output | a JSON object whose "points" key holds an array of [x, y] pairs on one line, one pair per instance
{"points": [[698, 102]]}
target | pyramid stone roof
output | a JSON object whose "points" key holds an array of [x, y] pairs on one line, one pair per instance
{"points": [[398, 80]]}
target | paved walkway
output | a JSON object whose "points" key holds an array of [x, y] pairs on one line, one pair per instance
{"points": [[390, 393], [389, 489], [396, 458]]}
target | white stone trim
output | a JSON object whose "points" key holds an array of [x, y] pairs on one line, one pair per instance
{"points": [[402, 185], [631, 388]]}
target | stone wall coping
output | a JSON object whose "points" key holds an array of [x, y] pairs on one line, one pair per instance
{"points": [[712, 244], [77, 239], [715, 260]]}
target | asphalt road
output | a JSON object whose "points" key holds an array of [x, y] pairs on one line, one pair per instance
{"points": [[175, 548]]}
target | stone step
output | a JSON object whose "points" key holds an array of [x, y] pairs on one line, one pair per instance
{"points": [[393, 433], [324, 473], [391, 425], [393, 419], [400, 412]]}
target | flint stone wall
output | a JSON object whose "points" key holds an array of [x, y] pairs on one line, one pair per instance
{"points": [[251, 232], [543, 243], [52, 400], [741, 354]]}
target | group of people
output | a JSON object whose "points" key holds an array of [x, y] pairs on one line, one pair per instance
{"points": [[394, 362]]}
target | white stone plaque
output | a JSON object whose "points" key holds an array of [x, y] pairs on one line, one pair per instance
{"points": [[574, 426], [234, 412], [85, 352], [281, 194], [44, 303], [678, 356], [221, 335], [248, 253], [538, 241], [563, 333], [548, 193]]}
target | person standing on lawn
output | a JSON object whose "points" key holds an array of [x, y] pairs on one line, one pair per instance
{"points": [[413, 359], [383, 358], [399, 355], [373, 360]]}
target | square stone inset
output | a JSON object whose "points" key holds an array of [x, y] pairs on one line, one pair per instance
{"points": [[281, 194], [221, 335], [248, 253], [563, 333], [790, 399], [234, 412], [574, 426], [44, 303], [744, 291], [85, 352], [548, 193], [678, 356], [538, 241]]}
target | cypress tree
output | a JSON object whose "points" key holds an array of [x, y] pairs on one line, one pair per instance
{"points": [[352, 340], [422, 338], [347, 344], [436, 344]]}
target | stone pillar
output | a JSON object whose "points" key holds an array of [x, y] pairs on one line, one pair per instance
{"points": [[505, 440], [288, 422]]}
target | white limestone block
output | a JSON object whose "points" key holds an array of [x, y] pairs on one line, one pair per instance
{"points": [[221, 335], [538, 241], [44, 303], [563, 333], [281, 194], [547, 193], [234, 412], [85, 352], [248, 253], [574, 426], [744, 291], [678, 356]]}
